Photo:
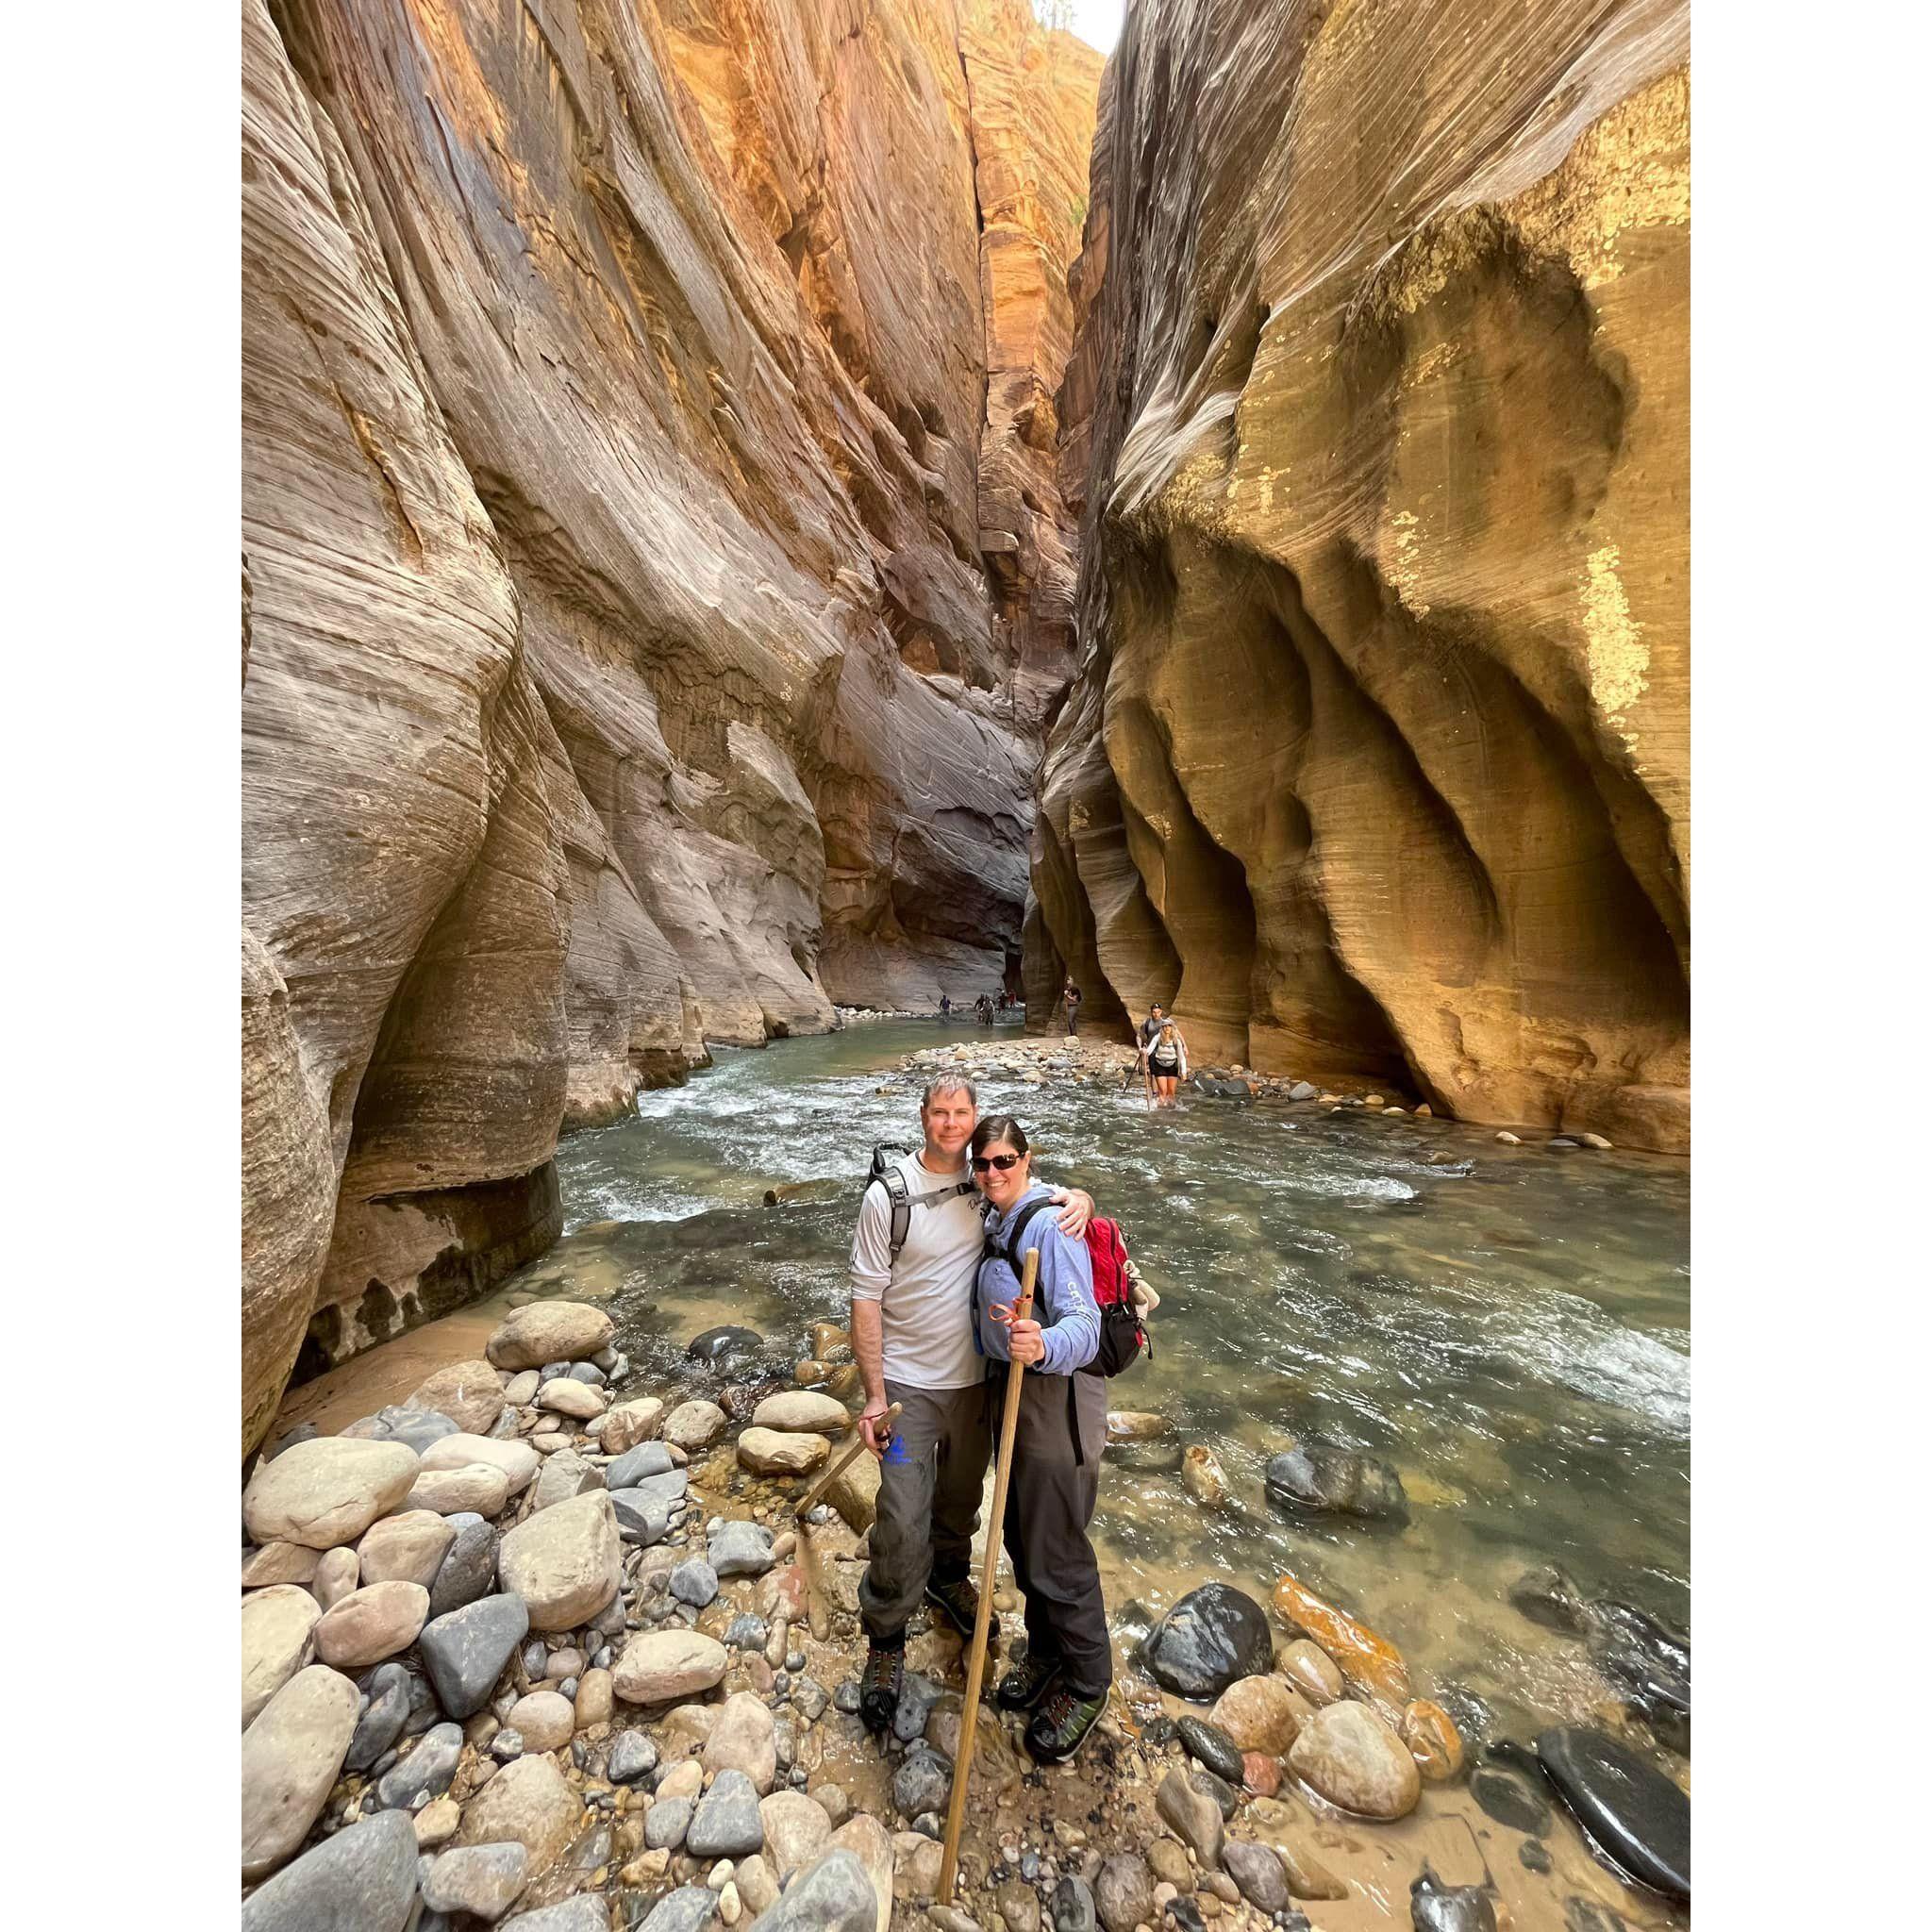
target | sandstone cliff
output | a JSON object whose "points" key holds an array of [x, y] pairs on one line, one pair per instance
{"points": [[1377, 765], [655, 583]]}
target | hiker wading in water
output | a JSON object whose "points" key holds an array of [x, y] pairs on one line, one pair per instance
{"points": [[1056, 1449], [912, 1336]]}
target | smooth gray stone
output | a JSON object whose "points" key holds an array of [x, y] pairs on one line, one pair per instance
{"points": [[382, 1722], [917, 1696], [506, 1746], [1212, 1746], [922, 1783], [741, 1549], [1209, 1638], [834, 1896], [363, 1879], [688, 1908], [418, 1427], [465, 1651], [425, 1771], [1072, 1905], [745, 1632], [694, 1582], [723, 1346], [1636, 1818], [587, 1912], [809, 1698], [634, 1465], [1258, 1872], [589, 1372], [1434, 1906], [483, 1879], [1331, 1479], [632, 1755], [666, 1823], [535, 1658], [302, 1432], [642, 1518], [468, 1570], [727, 1823]]}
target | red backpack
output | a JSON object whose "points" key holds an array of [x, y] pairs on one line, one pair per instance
{"points": [[1121, 1337]]}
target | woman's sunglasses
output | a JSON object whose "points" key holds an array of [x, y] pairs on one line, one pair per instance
{"points": [[982, 1162]]}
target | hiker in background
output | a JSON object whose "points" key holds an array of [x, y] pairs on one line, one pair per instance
{"points": [[1073, 999], [1166, 1062], [914, 1257], [1061, 1432], [945, 1005], [1150, 1026]]}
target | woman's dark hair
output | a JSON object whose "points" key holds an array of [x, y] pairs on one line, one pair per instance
{"points": [[996, 1127]]}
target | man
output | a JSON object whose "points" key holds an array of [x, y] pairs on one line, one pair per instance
{"points": [[1073, 998], [1150, 1028], [912, 1336]]}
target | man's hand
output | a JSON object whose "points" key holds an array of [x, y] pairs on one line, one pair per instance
{"points": [[1024, 1342], [876, 1438], [1075, 1214]]}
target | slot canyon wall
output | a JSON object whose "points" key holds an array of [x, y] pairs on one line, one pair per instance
{"points": [[655, 579], [1376, 763]]}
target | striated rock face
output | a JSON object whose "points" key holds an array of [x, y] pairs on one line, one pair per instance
{"points": [[624, 667], [1377, 765]]}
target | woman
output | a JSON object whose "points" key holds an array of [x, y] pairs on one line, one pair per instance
{"points": [[1056, 1446], [1167, 1062]]}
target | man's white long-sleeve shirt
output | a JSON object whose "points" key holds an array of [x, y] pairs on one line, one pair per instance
{"points": [[926, 1299]]}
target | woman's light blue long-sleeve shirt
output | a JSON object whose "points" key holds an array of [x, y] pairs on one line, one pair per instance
{"points": [[1063, 1303]]}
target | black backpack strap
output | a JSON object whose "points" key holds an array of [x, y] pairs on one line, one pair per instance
{"points": [[1012, 1250], [899, 1201]]}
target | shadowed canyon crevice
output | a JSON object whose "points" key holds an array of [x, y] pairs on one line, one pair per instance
{"points": [[1376, 767], [756, 504], [656, 580]]}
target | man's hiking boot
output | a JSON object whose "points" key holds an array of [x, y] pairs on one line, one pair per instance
{"points": [[1061, 1725], [1027, 1683], [880, 1685], [960, 1603]]}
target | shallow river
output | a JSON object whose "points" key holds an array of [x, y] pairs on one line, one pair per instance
{"points": [[1509, 1329]]}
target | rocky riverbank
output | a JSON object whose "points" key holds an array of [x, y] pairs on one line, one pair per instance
{"points": [[533, 1646]]}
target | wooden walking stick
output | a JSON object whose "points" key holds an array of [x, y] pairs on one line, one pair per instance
{"points": [[975, 1662], [817, 1618]]}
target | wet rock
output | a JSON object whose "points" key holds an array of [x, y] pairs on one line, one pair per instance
{"points": [[660, 1665], [363, 1879], [1631, 1812], [1549, 1596], [1192, 1816], [1332, 1479], [727, 1823], [1124, 1893], [326, 1492], [1262, 1713], [1433, 1740], [548, 1331], [1312, 1670], [277, 1640], [1072, 1905], [640, 1465], [1184, 1915], [1367, 1660], [1509, 1799], [1353, 1757], [1213, 1745], [1137, 1426], [1302, 1089], [834, 1896], [465, 1649], [1203, 1476], [1534, 1855], [796, 1830], [746, 1632], [741, 1549], [725, 1347], [1211, 1637], [1586, 1915], [566, 1563], [291, 1756], [800, 1412], [766, 1452], [1434, 1906], [1227, 1797], [1259, 1873]]}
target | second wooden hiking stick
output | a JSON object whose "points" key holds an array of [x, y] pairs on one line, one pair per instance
{"points": [[975, 1662]]}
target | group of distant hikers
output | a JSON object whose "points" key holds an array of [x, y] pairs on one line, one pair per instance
{"points": [[1161, 1049]]}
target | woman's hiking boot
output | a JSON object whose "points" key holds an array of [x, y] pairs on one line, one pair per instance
{"points": [[960, 1603], [880, 1685], [1027, 1683], [1061, 1725]]}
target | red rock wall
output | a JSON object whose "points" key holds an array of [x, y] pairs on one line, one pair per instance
{"points": [[624, 666], [1377, 765]]}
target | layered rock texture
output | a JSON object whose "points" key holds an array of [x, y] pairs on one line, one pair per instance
{"points": [[1377, 765], [654, 580]]}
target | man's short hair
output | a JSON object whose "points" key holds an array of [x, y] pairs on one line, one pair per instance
{"points": [[949, 1083]]}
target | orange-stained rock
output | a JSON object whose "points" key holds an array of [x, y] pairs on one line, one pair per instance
{"points": [[1377, 769], [1370, 1662], [1260, 1774], [1433, 1740]]}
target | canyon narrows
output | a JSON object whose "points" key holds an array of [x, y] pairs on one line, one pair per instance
{"points": [[654, 580], [1376, 767]]}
